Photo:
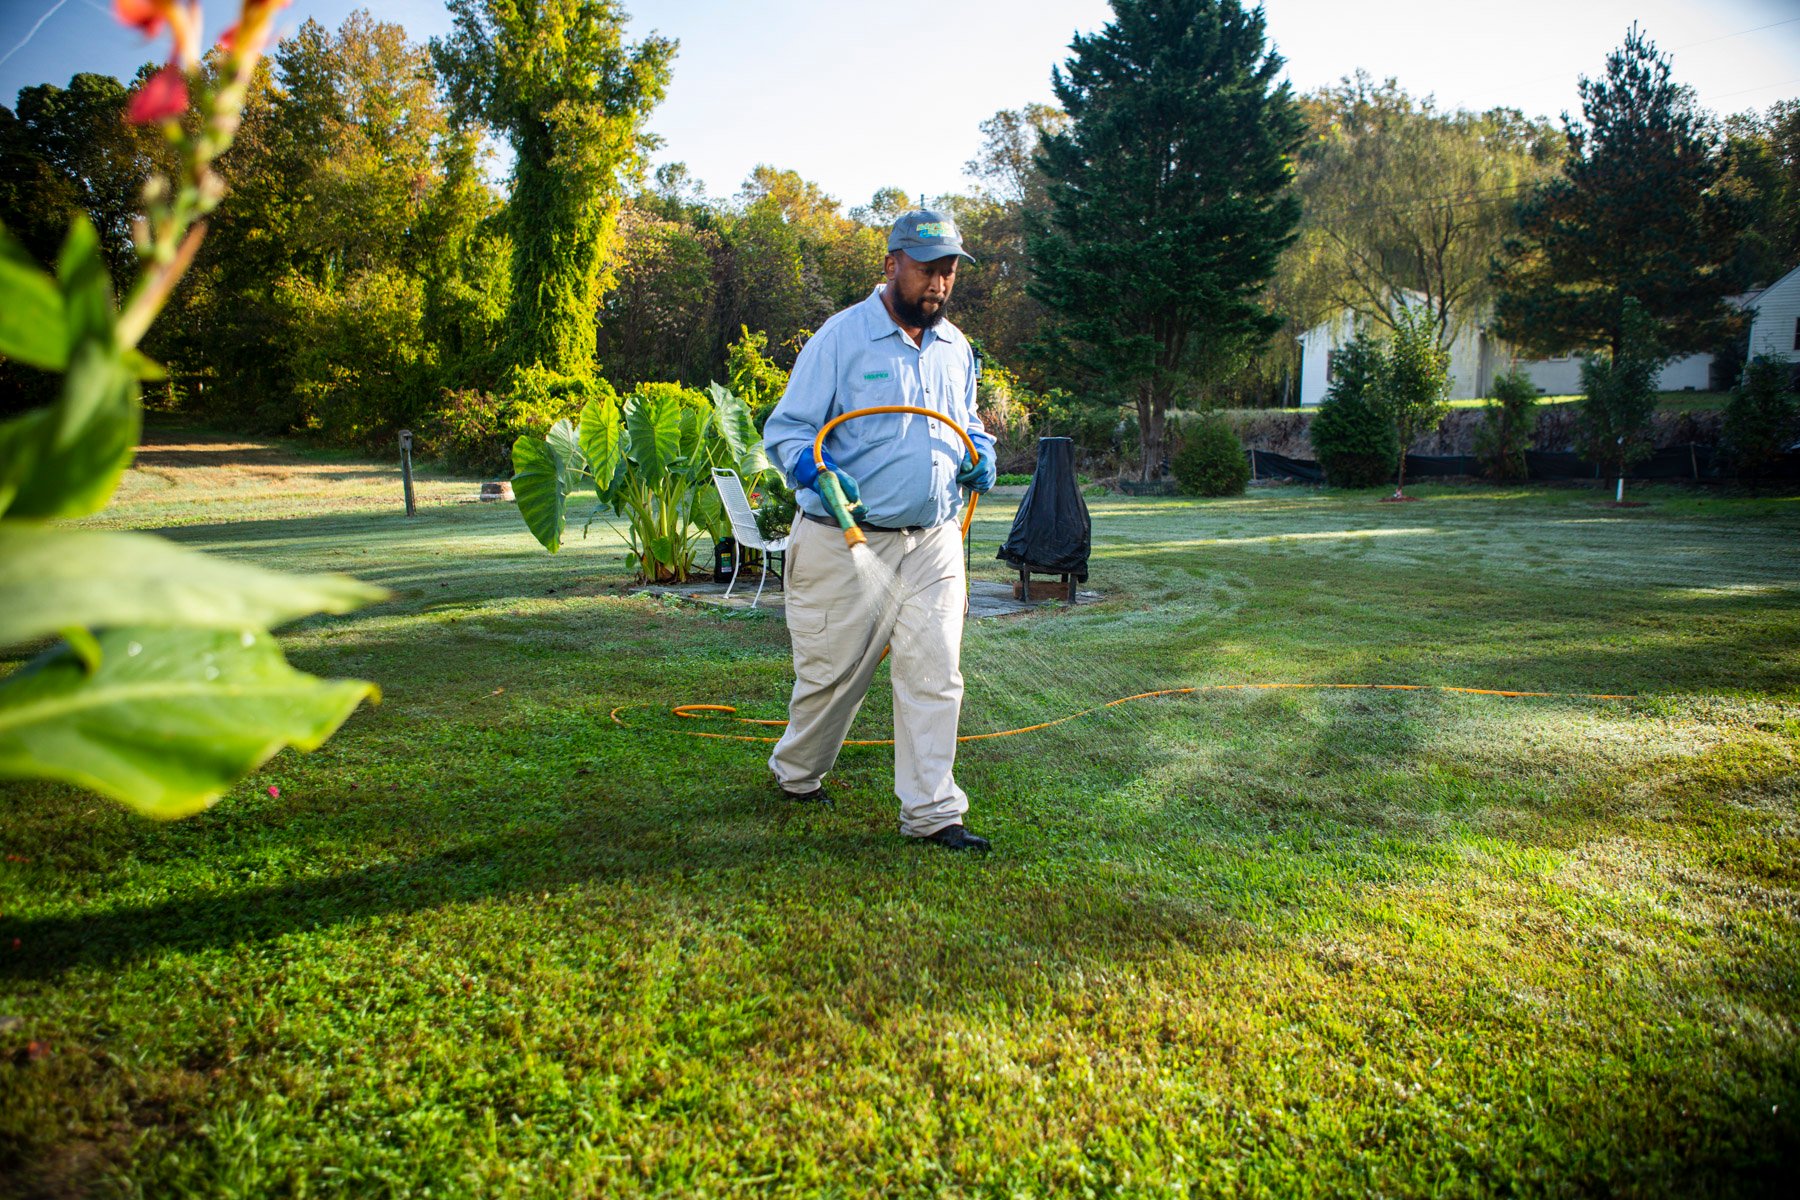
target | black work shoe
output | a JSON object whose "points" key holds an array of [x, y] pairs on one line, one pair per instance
{"points": [[817, 796], [955, 837]]}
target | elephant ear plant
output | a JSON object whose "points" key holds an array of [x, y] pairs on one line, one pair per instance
{"points": [[165, 687], [650, 462]]}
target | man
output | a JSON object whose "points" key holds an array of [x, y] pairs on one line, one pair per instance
{"points": [[903, 474]]}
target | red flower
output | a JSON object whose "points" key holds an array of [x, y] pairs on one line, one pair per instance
{"points": [[274, 791], [163, 97], [145, 16], [228, 39]]}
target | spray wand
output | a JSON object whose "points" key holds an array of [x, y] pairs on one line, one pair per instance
{"points": [[833, 492]]}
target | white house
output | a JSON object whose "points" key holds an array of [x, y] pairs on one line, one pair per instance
{"points": [[1775, 330], [1476, 356]]}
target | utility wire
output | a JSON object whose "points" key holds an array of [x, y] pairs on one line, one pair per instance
{"points": [[1762, 88]]}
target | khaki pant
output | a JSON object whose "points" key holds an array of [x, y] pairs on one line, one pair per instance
{"points": [[911, 597]]}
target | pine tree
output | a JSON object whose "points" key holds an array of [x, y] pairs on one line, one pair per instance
{"points": [[1170, 199], [1619, 395], [1353, 441], [1760, 418], [1634, 213]]}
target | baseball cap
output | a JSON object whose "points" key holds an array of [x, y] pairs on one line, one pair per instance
{"points": [[926, 235]]}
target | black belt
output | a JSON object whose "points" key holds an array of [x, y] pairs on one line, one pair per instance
{"points": [[868, 528]]}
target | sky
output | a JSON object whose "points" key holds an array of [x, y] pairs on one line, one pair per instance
{"points": [[857, 95]]}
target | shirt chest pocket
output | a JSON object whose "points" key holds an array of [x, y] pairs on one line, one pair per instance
{"points": [[874, 387]]}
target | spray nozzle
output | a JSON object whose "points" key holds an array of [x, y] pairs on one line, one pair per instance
{"points": [[833, 493]]}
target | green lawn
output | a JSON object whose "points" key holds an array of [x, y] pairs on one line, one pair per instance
{"points": [[1263, 942]]}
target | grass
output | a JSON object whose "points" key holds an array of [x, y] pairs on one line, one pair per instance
{"points": [[487, 943]]}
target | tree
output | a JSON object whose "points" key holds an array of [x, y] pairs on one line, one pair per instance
{"points": [[1759, 419], [1405, 204], [1169, 198], [991, 296], [81, 133], [1352, 437], [1762, 172], [1413, 390], [1619, 395], [557, 79], [1635, 213], [351, 270], [659, 323]]}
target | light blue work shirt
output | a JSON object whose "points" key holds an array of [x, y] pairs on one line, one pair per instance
{"points": [[905, 464]]}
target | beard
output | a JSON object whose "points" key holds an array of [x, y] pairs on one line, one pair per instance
{"points": [[914, 312]]}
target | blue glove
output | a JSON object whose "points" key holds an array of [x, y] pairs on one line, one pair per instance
{"points": [[978, 476], [806, 475]]}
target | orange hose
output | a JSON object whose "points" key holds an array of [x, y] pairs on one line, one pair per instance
{"points": [[974, 454], [693, 711]]}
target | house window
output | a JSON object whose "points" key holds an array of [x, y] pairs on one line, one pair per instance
{"points": [[1797, 333], [1331, 363]]}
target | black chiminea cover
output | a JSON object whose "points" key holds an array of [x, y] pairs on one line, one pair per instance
{"points": [[1052, 533]]}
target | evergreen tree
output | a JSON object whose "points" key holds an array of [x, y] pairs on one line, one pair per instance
{"points": [[1169, 197], [1619, 395], [1353, 440], [1634, 213], [557, 79], [1508, 421], [1759, 420]]}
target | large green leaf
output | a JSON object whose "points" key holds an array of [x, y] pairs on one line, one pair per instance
{"points": [[737, 426], [709, 512], [65, 460], [653, 429], [603, 442], [537, 481], [171, 718], [571, 463], [86, 285], [52, 579], [33, 327]]}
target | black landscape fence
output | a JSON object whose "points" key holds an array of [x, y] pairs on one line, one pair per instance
{"points": [[1691, 461], [1266, 465]]}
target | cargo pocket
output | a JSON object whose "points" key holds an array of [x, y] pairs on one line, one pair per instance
{"points": [[809, 631]]}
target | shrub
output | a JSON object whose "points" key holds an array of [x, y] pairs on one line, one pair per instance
{"points": [[1352, 440], [1211, 462], [1759, 418], [752, 375], [775, 514], [473, 431], [1508, 421]]}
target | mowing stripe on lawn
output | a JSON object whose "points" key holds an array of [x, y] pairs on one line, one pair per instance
{"points": [[699, 712]]}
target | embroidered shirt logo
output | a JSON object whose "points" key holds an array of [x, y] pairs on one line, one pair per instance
{"points": [[875, 375]]}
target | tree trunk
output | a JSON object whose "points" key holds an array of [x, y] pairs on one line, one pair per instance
{"points": [[1149, 431]]}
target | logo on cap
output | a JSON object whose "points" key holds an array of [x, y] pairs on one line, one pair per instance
{"points": [[935, 229]]}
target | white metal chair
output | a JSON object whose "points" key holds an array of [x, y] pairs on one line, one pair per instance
{"points": [[744, 530]]}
